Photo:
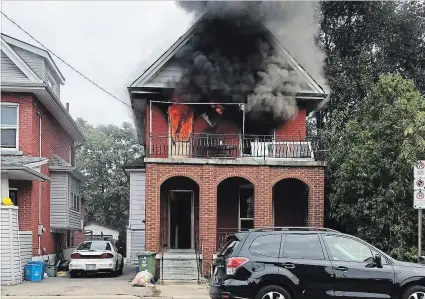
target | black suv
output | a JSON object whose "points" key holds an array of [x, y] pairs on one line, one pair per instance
{"points": [[291, 263]]}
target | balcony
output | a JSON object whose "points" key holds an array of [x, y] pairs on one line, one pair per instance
{"points": [[223, 146]]}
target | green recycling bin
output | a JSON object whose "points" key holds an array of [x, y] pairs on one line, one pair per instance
{"points": [[147, 261]]}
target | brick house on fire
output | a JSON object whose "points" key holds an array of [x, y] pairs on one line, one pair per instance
{"points": [[38, 139], [211, 169]]}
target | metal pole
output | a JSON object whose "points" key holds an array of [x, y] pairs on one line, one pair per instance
{"points": [[419, 235]]}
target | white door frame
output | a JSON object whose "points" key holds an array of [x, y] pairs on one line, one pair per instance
{"points": [[192, 216], [244, 186]]}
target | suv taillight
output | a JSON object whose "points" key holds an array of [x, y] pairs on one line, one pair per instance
{"points": [[107, 256], [234, 263], [75, 256]]}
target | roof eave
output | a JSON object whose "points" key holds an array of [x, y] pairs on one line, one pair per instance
{"points": [[46, 95]]}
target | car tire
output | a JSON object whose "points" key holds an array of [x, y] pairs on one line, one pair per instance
{"points": [[272, 292], [409, 293], [115, 272], [73, 273]]}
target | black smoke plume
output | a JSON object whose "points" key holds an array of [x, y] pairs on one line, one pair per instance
{"points": [[231, 58]]}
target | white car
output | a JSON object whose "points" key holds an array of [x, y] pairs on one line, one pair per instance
{"points": [[96, 256]]}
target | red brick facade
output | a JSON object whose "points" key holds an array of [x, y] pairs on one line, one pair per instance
{"points": [[294, 129], [208, 177], [54, 140]]}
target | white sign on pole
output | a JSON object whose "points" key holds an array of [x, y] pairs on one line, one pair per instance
{"points": [[419, 169], [419, 199], [419, 184]]}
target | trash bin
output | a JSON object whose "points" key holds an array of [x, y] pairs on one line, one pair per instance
{"points": [[33, 272], [51, 270], [41, 264], [147, 261]]}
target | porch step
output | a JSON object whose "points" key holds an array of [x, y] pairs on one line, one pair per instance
{"points": [[179, 265]]}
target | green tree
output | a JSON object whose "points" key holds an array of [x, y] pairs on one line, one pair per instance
{"points": [[101, 159], [370, 165]]}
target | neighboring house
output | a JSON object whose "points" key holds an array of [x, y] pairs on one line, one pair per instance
{"points": [[219, 176], [95, 229], [38, 140]]}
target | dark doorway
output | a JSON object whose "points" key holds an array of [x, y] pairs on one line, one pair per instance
{"points": [[290, 203], [181, 219]]}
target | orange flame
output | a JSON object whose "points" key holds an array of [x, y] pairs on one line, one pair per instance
{"points": [[181, 121], [218, 108]]}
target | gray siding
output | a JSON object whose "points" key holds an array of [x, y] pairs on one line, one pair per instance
{"points": [[35, 62], [10, 260], [10, 72], [74, 220], [137, 244], [59, 194], [168, 75], [48, 73], [137, 200], [25, 243]]}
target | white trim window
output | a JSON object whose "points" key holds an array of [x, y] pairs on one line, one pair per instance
{"points": [[246, 207], [10, 126]]}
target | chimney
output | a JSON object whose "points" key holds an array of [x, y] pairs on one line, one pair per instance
{"points": [[67, 107]]}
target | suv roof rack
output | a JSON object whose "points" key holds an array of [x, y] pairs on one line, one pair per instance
{"points": [[293, 228]]}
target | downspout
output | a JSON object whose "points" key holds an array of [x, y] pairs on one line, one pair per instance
{"points": [[39, 187]]}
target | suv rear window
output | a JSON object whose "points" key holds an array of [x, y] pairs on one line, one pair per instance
{"points": [[303, 246], [228, 248], [268, 245]]}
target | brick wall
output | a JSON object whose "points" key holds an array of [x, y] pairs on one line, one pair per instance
{"points": [[294, 129], [209, 176], [54, 140], [159, 130]]}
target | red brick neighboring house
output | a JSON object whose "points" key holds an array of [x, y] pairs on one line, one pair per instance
{"points": [[221, 177], [38, 139]]}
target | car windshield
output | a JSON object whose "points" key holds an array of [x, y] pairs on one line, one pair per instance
{"points": [[94, 245]]}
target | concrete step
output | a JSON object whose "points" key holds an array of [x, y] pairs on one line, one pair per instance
{"points": [[180, 264]]}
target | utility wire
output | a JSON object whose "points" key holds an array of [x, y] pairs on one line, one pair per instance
{"points": [[70, 66]]}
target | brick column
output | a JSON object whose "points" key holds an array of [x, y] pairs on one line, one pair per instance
{"points": [[316, 202], [207, 217], [263, 200], [152, 211]]}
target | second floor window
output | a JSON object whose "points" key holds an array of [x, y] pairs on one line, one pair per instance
{"points": [[9, 126]]}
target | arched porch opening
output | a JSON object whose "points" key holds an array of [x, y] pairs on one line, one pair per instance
{"points": [[290, 203], [179, 204], [235, 207]]}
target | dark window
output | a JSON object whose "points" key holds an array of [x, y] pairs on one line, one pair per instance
{"points": [[268, 245], [303, 246], [13, 195], [346, 249]]}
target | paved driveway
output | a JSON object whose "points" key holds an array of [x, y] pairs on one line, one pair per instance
{"points": [[91, 285]]}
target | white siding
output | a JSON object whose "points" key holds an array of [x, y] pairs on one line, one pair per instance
{"points": [[10, 72], [34, 61], [25, 243], [59, 194], [137, 199], [168, 75], [10, 259], [137, 239]]}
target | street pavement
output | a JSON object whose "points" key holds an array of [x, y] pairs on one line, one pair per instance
{"points": [[101, 286]]}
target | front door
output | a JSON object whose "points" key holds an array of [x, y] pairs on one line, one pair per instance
{"points": [[356, 275], [181, 219]]}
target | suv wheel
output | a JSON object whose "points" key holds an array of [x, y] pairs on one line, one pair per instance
{"points": [[273, 292], [415, 292]]}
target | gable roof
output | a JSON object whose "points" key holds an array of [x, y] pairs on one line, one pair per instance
{"points": [[36, 50], [56, 163], [162, 61]]}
